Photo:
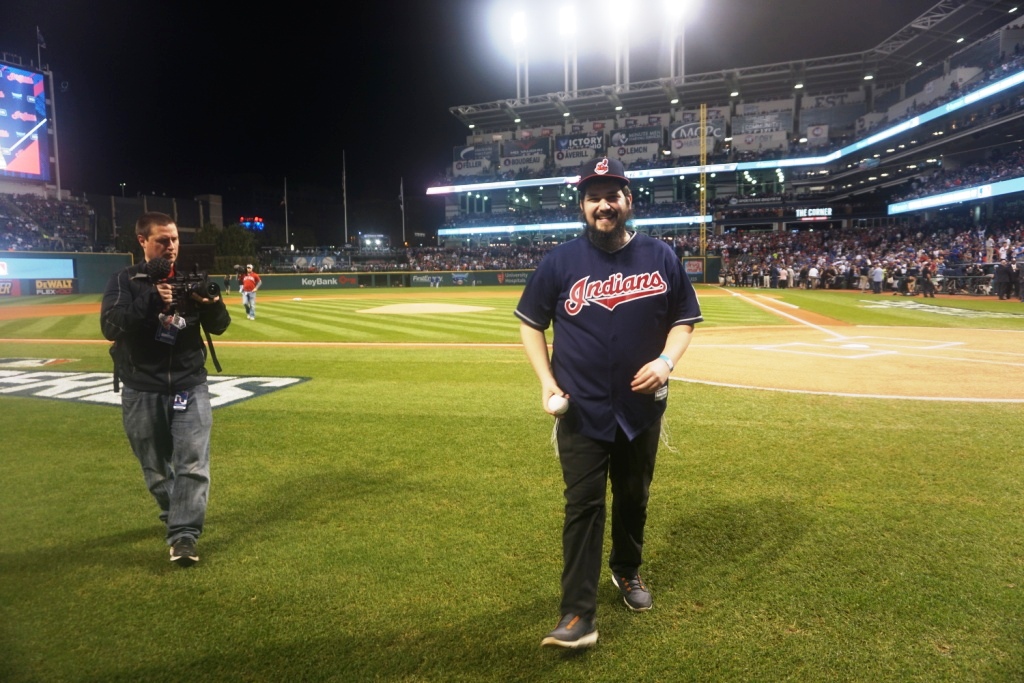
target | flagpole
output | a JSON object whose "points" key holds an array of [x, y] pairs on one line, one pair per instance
{"points": [[344, 195], [401, 201], [40, 44], [53, 116], [286, 242]]}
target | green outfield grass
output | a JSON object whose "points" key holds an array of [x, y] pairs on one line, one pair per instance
{"points": [[397, 516]]}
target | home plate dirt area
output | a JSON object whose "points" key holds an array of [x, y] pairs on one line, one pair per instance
{"points": [[814, 354]]}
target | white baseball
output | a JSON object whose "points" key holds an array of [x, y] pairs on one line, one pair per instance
{"points": [[558, 404]]}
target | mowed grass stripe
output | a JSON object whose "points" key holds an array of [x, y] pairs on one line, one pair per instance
{"points": [[497, 325], [731, 311], [350, 328], [55, 327]]}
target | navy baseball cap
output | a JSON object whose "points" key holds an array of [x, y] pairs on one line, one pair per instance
{"points": [[602, 167]]}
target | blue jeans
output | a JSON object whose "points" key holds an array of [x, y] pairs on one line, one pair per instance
{"points": [[249, 299], [173, 448]]}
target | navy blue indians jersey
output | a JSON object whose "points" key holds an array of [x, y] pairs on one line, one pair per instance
{"points": [[612, 313]]}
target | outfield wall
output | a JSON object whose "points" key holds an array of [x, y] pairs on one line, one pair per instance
{"points": [[394, 279], [26, 273], [699, 269], [33, 273]]}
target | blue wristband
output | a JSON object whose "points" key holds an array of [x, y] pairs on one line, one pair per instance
{"points": [[668, 362]]}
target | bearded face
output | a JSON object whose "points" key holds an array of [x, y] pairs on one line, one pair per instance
{"points": [[607, 205]]}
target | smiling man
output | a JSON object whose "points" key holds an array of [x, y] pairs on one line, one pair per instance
{"points": [[623, 312]]}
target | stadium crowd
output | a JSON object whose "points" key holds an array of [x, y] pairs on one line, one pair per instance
{"points": [[32, 223], [1010, 165]]}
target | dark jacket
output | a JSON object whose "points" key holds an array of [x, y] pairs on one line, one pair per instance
{"points": [[129, 317]]}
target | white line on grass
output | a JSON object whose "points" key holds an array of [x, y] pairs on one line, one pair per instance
{"points": [[776, 311], [945, 399]]}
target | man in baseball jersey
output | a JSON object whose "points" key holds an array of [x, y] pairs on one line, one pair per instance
{"points": [[623, 311], [247, 285]]}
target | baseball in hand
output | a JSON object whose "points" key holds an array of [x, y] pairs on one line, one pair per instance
{"points": [[558, 404]]}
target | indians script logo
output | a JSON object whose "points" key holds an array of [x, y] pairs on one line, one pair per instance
{"points": [[613, 291]]}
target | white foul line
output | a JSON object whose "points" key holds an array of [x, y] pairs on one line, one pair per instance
{"points": [[787, 315]]}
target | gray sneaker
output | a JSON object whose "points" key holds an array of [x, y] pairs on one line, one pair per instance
{"points": [[183, 552], [572, 632], [634, 592]]}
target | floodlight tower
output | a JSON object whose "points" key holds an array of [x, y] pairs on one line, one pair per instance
{"points": [[522, 56], [623, 9], [567, 28], [678, 13]]}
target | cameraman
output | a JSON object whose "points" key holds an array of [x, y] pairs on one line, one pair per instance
{"points": [[160, 358]]}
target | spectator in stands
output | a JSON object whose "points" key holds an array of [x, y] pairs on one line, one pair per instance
{"points": [[877, 278], [1003, 280], [927, 280]]}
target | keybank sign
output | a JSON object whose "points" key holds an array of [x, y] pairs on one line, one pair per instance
{"points": [[340, 281]]}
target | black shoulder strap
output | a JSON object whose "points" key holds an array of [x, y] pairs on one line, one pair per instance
{"points": [[213, 354]]}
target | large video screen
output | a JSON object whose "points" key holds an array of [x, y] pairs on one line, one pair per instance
{"points": [[24, 123]]}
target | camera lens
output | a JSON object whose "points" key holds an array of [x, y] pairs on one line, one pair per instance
{"points": [[212, 289]]}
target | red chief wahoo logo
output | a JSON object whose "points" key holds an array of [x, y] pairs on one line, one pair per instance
{"points": [[602, 166], [617, 289]]}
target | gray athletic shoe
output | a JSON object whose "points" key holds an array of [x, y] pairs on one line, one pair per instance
{"points": [[183, 552], [634, 592], [572, 632]]}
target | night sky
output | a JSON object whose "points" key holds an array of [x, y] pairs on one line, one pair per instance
{"points": [[169, 97]]}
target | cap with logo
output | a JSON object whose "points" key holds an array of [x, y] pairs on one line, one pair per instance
{"points": [[602, 167]]}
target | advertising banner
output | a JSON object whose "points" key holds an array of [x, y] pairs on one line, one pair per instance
{"points": [[657, 120], [685, 136], [321, 281], [831, 100], [31, 267], [762, 123], [589, 127], [542, 132], [473, 279], [10, 288], [471, 167], [534, 163], [527, 147], [638, 136], [627, 154], [592, 141], [572, 158], [711, 114], [754, 142], [817, 136], [694, 268], [55, 286], [474, 159]]}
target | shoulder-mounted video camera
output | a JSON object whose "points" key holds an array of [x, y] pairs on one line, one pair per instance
{"points": [[183, 285]]}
